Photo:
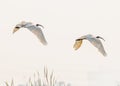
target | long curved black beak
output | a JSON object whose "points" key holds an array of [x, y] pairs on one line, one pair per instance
{"points": [[40, 25], [100, 38]]}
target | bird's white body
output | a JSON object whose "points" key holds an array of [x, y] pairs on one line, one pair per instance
{"points": [[33, 28], [93, 40]]}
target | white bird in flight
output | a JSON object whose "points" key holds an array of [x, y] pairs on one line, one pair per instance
{"points": [[93, 40], [35, 29]]}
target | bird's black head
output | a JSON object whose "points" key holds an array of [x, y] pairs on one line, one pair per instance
{"points": [[39, 25], [100, 37]]}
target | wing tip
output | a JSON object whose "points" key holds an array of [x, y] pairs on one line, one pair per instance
{"points": [[77, 44], [105, 54], [45, 43], [75, 48]]}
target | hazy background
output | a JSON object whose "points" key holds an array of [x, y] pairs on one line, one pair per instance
{"points": [[22, 54]]}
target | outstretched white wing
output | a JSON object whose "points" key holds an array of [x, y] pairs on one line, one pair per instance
{"points": [[98, 44], [38, 32]]}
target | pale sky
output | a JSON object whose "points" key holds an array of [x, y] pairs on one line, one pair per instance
{"points": [[22, 54]]}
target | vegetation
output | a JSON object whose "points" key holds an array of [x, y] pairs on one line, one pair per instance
{"points": [[48, 80]]}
